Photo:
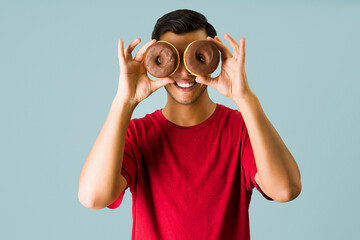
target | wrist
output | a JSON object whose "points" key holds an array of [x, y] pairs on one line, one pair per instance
{"points": [[246, 99], [121, 102]]}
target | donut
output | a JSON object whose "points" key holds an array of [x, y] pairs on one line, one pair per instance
{"points": [[201, 57], [161, 59]]}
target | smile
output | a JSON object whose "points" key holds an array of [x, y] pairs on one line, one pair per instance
{"points": [[185, 84]]}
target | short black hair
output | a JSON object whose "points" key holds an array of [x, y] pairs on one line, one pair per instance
{"points": [[182, 21]]}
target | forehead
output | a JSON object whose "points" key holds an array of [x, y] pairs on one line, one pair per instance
{"points": [[181, 41]]}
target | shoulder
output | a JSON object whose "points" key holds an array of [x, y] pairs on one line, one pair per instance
{"points": [[231, 122], [147, 118], [230, 115], [144, 123]]}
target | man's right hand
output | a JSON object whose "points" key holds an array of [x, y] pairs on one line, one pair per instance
{"points": [[134, 83]]}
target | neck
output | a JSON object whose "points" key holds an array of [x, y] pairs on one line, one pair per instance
{"points": [[189, 115]]}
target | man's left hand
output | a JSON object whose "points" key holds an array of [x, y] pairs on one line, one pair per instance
{"points": [[232, 81]]}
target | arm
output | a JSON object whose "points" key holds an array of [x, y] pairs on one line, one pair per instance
{"points": [[100, 180], [278, 174]]}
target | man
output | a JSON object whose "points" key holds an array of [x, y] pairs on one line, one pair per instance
{"points": [[192, 165]]}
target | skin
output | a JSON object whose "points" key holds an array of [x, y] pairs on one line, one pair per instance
{"points": [[278, 174]]}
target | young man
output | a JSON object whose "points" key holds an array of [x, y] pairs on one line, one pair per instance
{"points": [[192, 165]]}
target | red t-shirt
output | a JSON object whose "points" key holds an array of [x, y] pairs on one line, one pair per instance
{"points": [[189, 182]]}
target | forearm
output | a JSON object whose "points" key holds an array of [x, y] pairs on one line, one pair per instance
{"points": [[100, 175], [278, 173]]}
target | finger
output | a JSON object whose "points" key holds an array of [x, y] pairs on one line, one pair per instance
{"points": [[141, 53], [121, 54], [207, 81], [242, 51], [233, 44], [160, 82], [131, 47], [225, 52], [217, 38]]}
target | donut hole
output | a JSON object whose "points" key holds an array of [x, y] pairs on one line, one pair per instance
{"points": [[201, 58], [158, 60]]}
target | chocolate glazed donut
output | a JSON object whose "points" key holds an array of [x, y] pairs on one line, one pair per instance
{"points": [[201, 57], [161, 59]]}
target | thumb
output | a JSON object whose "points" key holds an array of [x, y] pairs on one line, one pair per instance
{"points": [[156, 84], [206, 80]]}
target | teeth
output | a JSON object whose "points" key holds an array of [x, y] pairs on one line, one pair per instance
{"points": [[185, 85]]}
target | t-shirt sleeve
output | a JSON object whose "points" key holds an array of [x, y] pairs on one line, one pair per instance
{"points": [[249, 164], [129, 168]]}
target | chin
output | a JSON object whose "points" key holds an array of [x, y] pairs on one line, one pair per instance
{"points": [[189, 102], [185, 101]]}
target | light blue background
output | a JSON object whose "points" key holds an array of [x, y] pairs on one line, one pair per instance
{"points": [[59, 74]]}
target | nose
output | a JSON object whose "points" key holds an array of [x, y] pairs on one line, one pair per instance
{"points": [[182, 71]]}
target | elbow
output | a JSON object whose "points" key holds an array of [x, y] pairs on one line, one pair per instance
{"points": [[88, 202], [290, 193]]}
